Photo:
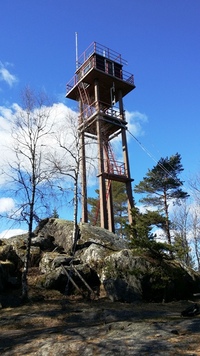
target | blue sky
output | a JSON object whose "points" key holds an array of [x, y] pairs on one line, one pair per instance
{"points": [[158, 38]]}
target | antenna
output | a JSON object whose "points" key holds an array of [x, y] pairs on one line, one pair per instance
{"points": [[76, 38]]}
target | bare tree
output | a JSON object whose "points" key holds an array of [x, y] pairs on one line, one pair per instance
{"points": [[194, 184], [65, 162], [29, 172], [195, 232], [180, 222]]}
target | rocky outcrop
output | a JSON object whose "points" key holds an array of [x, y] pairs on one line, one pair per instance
{"points": [[10, 264], [58, 231], [102, 263], [128, 277]]}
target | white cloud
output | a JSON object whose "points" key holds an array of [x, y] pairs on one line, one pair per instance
{"points": [[136, 121], [160, 235], [6, 117], [6, 76], [13, 232], [6, 205], [59, 115]]}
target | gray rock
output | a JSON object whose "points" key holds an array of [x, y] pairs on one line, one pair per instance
{"points": [[119, 290], [7, 252], [18, 244], [46, 262], [35, 255], [53, 280], [61, 260], [8, 277], [102, 237], [104, 261], [60, 230], [45, 243], [94, 255], [120, 276]]}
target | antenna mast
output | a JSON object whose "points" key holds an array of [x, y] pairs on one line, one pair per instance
{"points": [[76, 38]]}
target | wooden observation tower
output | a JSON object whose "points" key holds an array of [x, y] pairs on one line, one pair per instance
{"points": [[99, 85]]}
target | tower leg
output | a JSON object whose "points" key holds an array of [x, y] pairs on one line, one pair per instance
{"points": [[111, 224], [102, 181], [83, 179], [126, 161]]}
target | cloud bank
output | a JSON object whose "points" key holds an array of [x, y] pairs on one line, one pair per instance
{"points": [[6, 76], [58, 118]]}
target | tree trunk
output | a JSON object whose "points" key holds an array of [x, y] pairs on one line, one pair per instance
{"points": [[25, 268], [75, 224], [167, 219], [28, 247]]}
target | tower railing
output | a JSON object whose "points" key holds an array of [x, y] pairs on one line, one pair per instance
{"points": [[102, 50], [115, 167], [111, 166], [106, 109], [125, 76]]}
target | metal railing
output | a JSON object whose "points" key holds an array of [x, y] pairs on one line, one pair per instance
{"points": [[115, 167], [125, 76], [103, 51], [85, 64], [90, 110]]}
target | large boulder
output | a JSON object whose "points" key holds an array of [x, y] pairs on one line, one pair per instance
{"points": [[95, 244], [52, 260], [10, 265], [61, 234], [127, 277], [55, 279], [121, 276], [58, 231], [7, 275], [66, 279], [102, 237], [45, 243], [18, 245], [7, 252]]}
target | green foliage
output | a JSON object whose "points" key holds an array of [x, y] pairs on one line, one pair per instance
{"points": [[119, 206], [142, 223], [162, 181], [182, 250], [140, 232], [93, 213], [110, 271], [156, 249], [55, 214], [162, 185]]}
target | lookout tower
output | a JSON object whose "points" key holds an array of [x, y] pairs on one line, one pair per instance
{"points": [[99, 85]]}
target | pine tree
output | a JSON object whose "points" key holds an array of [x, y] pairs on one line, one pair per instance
{"points": [[120, 207], [140, 231], [161, 186], [142, 224], [93, 213], [55, 214]]}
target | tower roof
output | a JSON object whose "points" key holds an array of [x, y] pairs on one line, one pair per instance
{"points": [[104, 64]]}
